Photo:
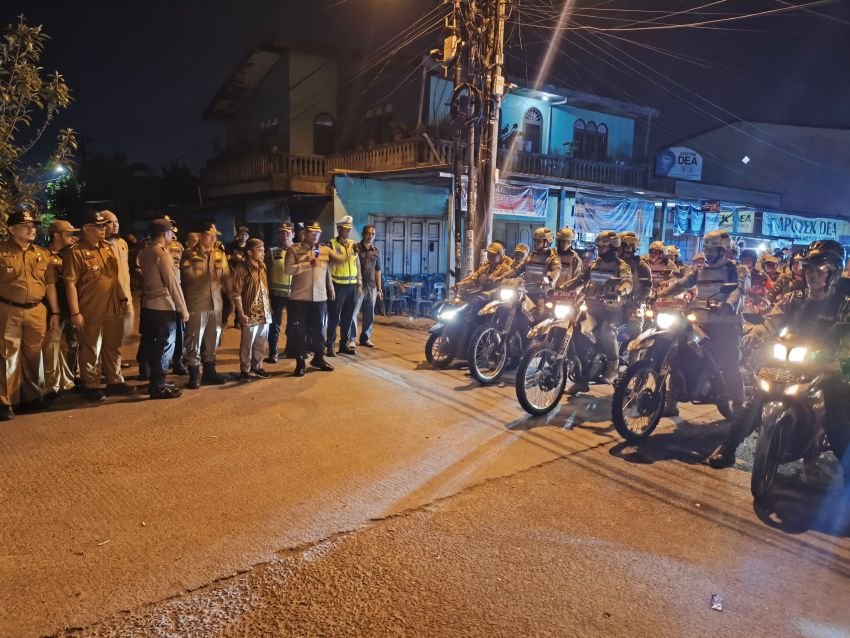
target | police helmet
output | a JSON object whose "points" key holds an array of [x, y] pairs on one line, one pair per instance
{"points": [[545, 234], [607, 238], [566, 234], [657, 245], [629, 240]]}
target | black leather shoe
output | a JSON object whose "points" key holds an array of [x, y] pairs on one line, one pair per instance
{"points": [[94, 395], [165, 392], [300, 367], [6, 413], [244, 376], [179, 369], [118, 389], [723, 456], [321, 364], [330, 352], [347, 350], [261, 374], [272, 358]]}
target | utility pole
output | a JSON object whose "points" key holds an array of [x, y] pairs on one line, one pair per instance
{"points": [[471, 157], [497, 91]]}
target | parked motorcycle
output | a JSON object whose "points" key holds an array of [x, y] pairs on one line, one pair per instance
{"points": [[791, 400], [562, 350], [499, 343], [671, 352], [456, 321]]}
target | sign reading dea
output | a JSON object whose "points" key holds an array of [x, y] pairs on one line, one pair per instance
{"points": [[679, 162]]}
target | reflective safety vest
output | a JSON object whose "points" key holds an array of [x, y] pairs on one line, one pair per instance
{"points": [[280, 284], [345, 272]]}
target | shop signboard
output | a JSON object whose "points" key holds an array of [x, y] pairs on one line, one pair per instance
{"points": [[679, 162], [746, 221], [801, 230]]}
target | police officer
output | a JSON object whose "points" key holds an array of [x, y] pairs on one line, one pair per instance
{"points": [[122, 253], [490, 273], [755, 299], [60, 345], [607, 266], [520, 253], [571, 264], [279, 285], [176, 250], [659, 265], [789, 281], [699, 261], [810, 313], [348, 285], [724, 328], [641, 282], [98, 304], [204, 273], [674, 258], [26, 282], [307, 262], [542, 267]]}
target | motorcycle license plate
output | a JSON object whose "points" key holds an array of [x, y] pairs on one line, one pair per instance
{"points": [[529, 305]]}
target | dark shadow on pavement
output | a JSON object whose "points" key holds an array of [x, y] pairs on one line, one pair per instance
{"points": [[687, 443]]}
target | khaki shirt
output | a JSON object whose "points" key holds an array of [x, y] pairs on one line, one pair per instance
{"points": [[93, 270], [204, 274], [487, 277], [122, 253], [161, 289], [308, 283], [24, 274]]}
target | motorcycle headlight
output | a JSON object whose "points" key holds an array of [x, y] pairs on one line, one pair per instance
{"points": [[448, 314], [764, 384], [562, 311], [798, 354], [665, 320], [507, 294], [780, 352], [792, 390]]}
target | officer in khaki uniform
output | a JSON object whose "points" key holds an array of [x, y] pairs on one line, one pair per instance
{"points": [[204, 273], [26, 280], [98, 304], [176, 250], [280, 285], [122, 253], [59, 350]]}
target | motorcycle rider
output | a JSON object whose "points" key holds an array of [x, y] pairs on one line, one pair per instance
{"points": [[604, 317], [520, 253], [789, 281], [641, 274], [659, 265], [674, 258], [699, 261], [755, 295], [490, 273], [587, 255], [570, 261], [541, 268], [809, 313], [723, 327]]}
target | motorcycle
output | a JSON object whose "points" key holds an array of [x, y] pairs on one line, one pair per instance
{"points": [[456, 321], [562, 350], [671, 354], [788, 389], [500, 342]]}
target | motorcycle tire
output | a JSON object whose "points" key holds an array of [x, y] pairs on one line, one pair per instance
{"points": [[640, 367], [770, 449], [432, 351], [725, 409], [533, 407], [486, 331]]}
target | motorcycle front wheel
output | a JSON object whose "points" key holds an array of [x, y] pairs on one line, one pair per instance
{"points": [[540, 379], [638, 401], [488, 354], [770, 449], [438, 350]]}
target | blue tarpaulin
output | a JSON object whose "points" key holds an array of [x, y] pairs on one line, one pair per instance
{"points": [[596, 213]]}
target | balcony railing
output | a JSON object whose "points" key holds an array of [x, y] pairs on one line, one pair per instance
{"points": [[291, 171]]}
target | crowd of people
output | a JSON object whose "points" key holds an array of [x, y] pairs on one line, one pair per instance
{"points": [[68, 308]]}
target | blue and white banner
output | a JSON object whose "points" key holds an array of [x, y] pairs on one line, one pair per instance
{"points": [[598, 213], [521, 201], [802, 230]]}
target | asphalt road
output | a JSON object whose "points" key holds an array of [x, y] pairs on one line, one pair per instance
{"points": [[387, 498]]}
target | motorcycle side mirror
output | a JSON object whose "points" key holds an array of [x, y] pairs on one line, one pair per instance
{"points": [[753, 318]]}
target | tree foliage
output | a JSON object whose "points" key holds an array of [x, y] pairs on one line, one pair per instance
{"points": [[30, 99]]}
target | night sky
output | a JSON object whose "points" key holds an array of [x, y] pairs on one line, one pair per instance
{"points": [[142, 72]]}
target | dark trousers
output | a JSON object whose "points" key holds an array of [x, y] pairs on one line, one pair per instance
{"points": [[178, 343], [341, 314], [158, 328], [278, 304], [305, 325]]}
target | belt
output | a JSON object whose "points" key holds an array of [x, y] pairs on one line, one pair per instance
{"points": [[25, 306]]}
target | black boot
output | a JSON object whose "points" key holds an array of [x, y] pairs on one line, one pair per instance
{"points": [[144, 372], [211, 376], [300, 367], [194, 378]]}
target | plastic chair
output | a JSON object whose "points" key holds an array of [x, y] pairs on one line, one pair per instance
{"points": [[394, 298], [420, 300]]}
